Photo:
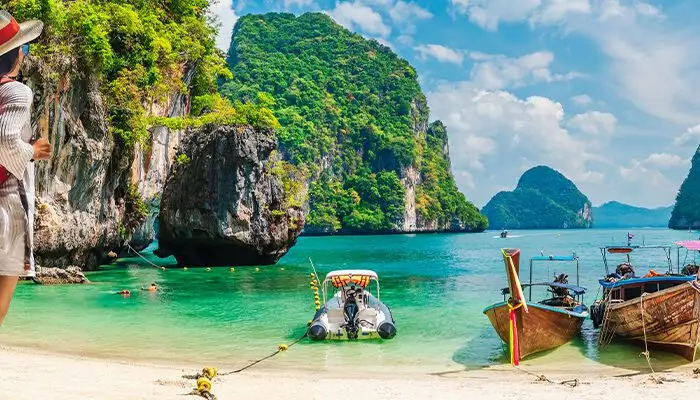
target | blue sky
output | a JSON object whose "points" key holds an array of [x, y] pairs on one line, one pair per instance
{"points": [[605, 91]]}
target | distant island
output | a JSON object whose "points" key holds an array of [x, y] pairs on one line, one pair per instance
{"points": [[543, 199], [686, 211], [614, 214]]}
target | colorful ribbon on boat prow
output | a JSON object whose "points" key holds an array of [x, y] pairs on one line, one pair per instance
{"points": [[513, 344], [517, 297]]}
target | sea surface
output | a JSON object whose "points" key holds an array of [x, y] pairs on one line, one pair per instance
{"points": [[436, 285]]}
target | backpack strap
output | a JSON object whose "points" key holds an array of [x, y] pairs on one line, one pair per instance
{"points": [[5, 79]]}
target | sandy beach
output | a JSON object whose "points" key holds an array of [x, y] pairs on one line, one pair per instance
{"points": [[32, 374]]}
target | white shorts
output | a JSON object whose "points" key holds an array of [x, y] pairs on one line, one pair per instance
{"points": [[13, 231]]}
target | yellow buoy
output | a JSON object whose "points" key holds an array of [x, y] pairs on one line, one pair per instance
{"points": [[283, 347], [209, 372], [281, 269], [257, 269], [163, 268], [318, 303], [203, 384], [310, 322], [184, 269], [208, 269], [232, 269], [318, 308], [312, 275]]}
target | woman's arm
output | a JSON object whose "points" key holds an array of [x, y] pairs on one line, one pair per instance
{"points": [[15, 106]]}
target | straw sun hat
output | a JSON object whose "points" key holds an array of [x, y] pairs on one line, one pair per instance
{"points": [[14, 34]]}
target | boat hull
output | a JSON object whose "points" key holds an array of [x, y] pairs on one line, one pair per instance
{"points": [[374, 322], [670, 317], [542, 328]]}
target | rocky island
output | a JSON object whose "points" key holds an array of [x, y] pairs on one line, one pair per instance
{"points": [[354, 119], [686, 210], [543, 199]]}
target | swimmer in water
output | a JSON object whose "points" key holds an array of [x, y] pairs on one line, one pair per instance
{"points": [[151, 288]]}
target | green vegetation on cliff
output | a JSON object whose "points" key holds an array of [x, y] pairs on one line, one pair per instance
{"points": [[354, 114], [686, 211], [618, 215], [543, 199], [140, 51]]}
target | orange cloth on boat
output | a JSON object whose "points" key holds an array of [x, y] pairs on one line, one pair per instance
{"points": [[342, 280], [651, 274]]}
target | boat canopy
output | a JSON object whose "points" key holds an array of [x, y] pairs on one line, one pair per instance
{"points": [[574, 288], [359, 277], [629, 249], [553, 258], [693, 245], [632, 281]]}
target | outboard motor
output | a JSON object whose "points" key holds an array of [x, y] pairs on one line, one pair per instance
{"points": [[350, 310], [386, 330]]}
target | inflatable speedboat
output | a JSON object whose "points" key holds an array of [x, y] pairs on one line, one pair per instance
{"points": [[352, 312]]}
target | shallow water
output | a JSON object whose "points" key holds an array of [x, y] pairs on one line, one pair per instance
{"points": [[436, 285]]}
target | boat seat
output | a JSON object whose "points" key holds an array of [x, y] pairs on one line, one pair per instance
{"points": [[336, 316], [369, 315]]}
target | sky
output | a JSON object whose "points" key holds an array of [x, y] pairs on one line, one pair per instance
{"points": [[605, 91]]}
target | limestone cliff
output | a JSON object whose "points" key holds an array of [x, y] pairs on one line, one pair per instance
{"points": [[224, 204], [352, 112]]}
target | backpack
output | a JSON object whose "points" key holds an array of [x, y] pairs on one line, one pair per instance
{"points": [[4, 175]]}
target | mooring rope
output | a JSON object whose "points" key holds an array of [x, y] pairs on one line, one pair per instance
{"points": [[144, 258], [541, 378], [645, 353], [208, 373]]}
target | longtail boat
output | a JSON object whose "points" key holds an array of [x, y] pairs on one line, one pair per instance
{"points": [[528, 327], [657, 310]]}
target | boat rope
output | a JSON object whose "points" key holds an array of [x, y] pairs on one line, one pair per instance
{"points": [[645, 353], [204, 378], [542, 378], [144, 258], [607, 332]]}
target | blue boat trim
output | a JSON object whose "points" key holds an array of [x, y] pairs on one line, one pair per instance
{"points": [[625, 282], [541, 306]]}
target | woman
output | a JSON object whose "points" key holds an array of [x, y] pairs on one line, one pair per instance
{"points": [[16, 155]]}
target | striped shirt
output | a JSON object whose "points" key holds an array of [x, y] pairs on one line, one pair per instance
{"points": [[17, 193]]}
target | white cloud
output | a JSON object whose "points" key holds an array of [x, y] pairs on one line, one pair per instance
{"points": [[224, 12], [489, 130], [690, 136], [582, 99], [648, 10], [665, 160], [554, 11], [489, 13], [594, 123], [298, 3], [405, 11], [440, 53], [499, 72], [356, 16]]}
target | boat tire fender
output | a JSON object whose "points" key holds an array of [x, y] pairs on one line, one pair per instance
{"points": [[386, 330]]}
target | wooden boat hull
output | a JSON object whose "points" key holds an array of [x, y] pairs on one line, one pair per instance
{"points": [[542, 328], [671, 319]]}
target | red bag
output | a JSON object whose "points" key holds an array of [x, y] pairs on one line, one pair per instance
{"points": [[4, 175]]}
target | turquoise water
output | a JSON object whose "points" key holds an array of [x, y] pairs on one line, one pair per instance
{"points": [[436, 285]]}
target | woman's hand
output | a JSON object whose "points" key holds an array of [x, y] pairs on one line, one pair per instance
{"points": [[42, 149]]}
